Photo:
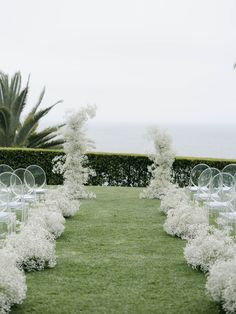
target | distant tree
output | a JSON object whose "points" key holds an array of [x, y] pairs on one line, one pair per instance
{"points": [[15, 132]]}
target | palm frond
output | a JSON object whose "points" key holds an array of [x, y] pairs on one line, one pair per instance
{"points": [[14, 87], [35, 108], [12, 103], [33, 111], [5, 117], [20, 103], [52, 144], [42, 141], [2, 138], [35, 139], [4, 88], [29, 125]]}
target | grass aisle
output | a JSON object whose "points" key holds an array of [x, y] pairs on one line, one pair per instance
{"points": [[114, 257]]}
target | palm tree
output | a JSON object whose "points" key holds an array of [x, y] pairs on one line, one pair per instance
{"points": [[15, 133]]}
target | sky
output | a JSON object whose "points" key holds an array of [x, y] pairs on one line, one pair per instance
{"points": [[151, 61]]}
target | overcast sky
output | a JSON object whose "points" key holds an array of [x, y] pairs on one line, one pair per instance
{"points": [[151, 61]]}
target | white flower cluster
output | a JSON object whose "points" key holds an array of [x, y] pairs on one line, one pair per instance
{"points": [[209, 245], [208, 248], [185, 219], [33, 248], [73, 165], [162, 164], [221, 284], [74, 168], [173, 196], [12, 281], [60, 201], [49, 216]]}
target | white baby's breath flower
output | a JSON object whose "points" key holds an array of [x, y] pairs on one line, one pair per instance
{"points": [[185, 219], [162, 164], [209, 245], [49, 217], [221, 284], [34, 247], [173, 196], [60, 200], [12, 281], [73, 165]]}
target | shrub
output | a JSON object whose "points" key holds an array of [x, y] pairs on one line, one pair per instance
{"points": [[17, 158], [111, 168]]}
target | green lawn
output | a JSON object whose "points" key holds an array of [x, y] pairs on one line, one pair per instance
{"points": [[114, 257]]}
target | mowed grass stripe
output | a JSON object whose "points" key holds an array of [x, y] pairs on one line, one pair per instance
{"points": [[114, 257]]}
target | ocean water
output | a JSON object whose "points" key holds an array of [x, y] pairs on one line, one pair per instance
{"points": [[187, 140]]}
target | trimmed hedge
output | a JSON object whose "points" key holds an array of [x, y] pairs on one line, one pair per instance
{"points": [[17, 158], [119, 169], [111, 168], [183, 165]]}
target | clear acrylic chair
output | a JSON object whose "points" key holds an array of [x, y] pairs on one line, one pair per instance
{"points": [[7, 219], [194, 176], [222, 193], [40, 179], [5, 168], [28, 184], [231, 168], [204, 180], [12, 189]]}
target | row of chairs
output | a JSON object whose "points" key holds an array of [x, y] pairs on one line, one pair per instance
{"points": [[18, 190], [215, 189]]}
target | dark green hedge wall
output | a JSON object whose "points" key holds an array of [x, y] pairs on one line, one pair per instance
{"points": [[17, 158], [183, 165], [119, 169], [111, 169]]}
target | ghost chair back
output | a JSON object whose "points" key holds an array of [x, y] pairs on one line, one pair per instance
{"points": [[28, 183], [40, 179], [194, 176], [231, 168], [5, 168], [10, 184], [204, 181], [222, 192], [7, 218]]}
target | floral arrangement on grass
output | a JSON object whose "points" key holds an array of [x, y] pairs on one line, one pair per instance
{"points": [[161, 168], [208, 248], [57, 199], [173, 196], [221, 284], [209, 245], [73, 165], [185, 219], [34, 247], [49, 217], [12, 281], [31, 249]]}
